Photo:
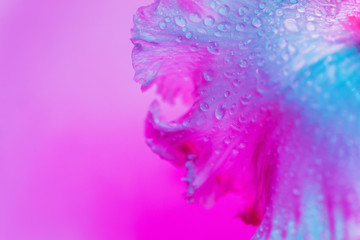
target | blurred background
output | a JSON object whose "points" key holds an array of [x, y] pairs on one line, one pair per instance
{"points": [[73, 161]]}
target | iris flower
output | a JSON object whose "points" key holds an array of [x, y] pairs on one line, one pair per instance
{"points": [[272, 89]]}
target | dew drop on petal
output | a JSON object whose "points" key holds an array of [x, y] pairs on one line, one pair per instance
{"points": [[209, 21], [204, 106], [240, 27], [246, 99], [256, 22], [243, 63], [243, 10], [208, 76], [220, 112], [310, 26], [279, 12], [195, 17], [224, 10], [213, 47], [162, 25], [180, 21], [291, 25]]}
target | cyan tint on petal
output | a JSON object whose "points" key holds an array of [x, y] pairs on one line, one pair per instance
{"points": [[274, 90]]}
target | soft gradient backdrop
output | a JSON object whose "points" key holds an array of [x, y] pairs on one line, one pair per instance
{"points": [[73, 161]]}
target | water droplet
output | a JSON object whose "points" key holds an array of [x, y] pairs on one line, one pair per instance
{"points": [[180, 21], [195, 18], [252, 56], [229, 58], [202, 30], [268, 45], [310, 26], [224, 10], [261, 62], [232, 109], [256, 22], [186, 122], [301, 9], [310, 18], [209, 21], [285, 56], [242, 118], [269, 20], [279, 12], [204, 107], [237, 82], [262, 5], [227, 140], [293, 1], [274, 30], [213, 47], [188, 35], [208, 76], [162, 25], [246, 99], [242, 145], [179, 39], [217, 34], [223, 26], [282, 43], [240, 27], [291, 25], [261, 33], [243, 63], [243, 10], [244, 44], [262, 84], [220, 112]]}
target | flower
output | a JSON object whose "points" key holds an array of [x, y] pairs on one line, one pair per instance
{"points": [[273, 89]]}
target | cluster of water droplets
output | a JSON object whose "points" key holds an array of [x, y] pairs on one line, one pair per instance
{"points": [[266, 75], [249, 35]]}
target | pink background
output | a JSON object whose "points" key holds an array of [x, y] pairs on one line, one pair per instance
{"points": [[73, 160]]}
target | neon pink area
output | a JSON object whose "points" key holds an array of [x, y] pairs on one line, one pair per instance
{"points": [[351, 14], [191, 6], [73, 161], [354, 25]]}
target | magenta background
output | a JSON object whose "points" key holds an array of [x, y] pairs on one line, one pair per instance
{"points": [[73, 160]]}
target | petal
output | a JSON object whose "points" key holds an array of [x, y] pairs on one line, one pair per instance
{"points": [[274, 94]]}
